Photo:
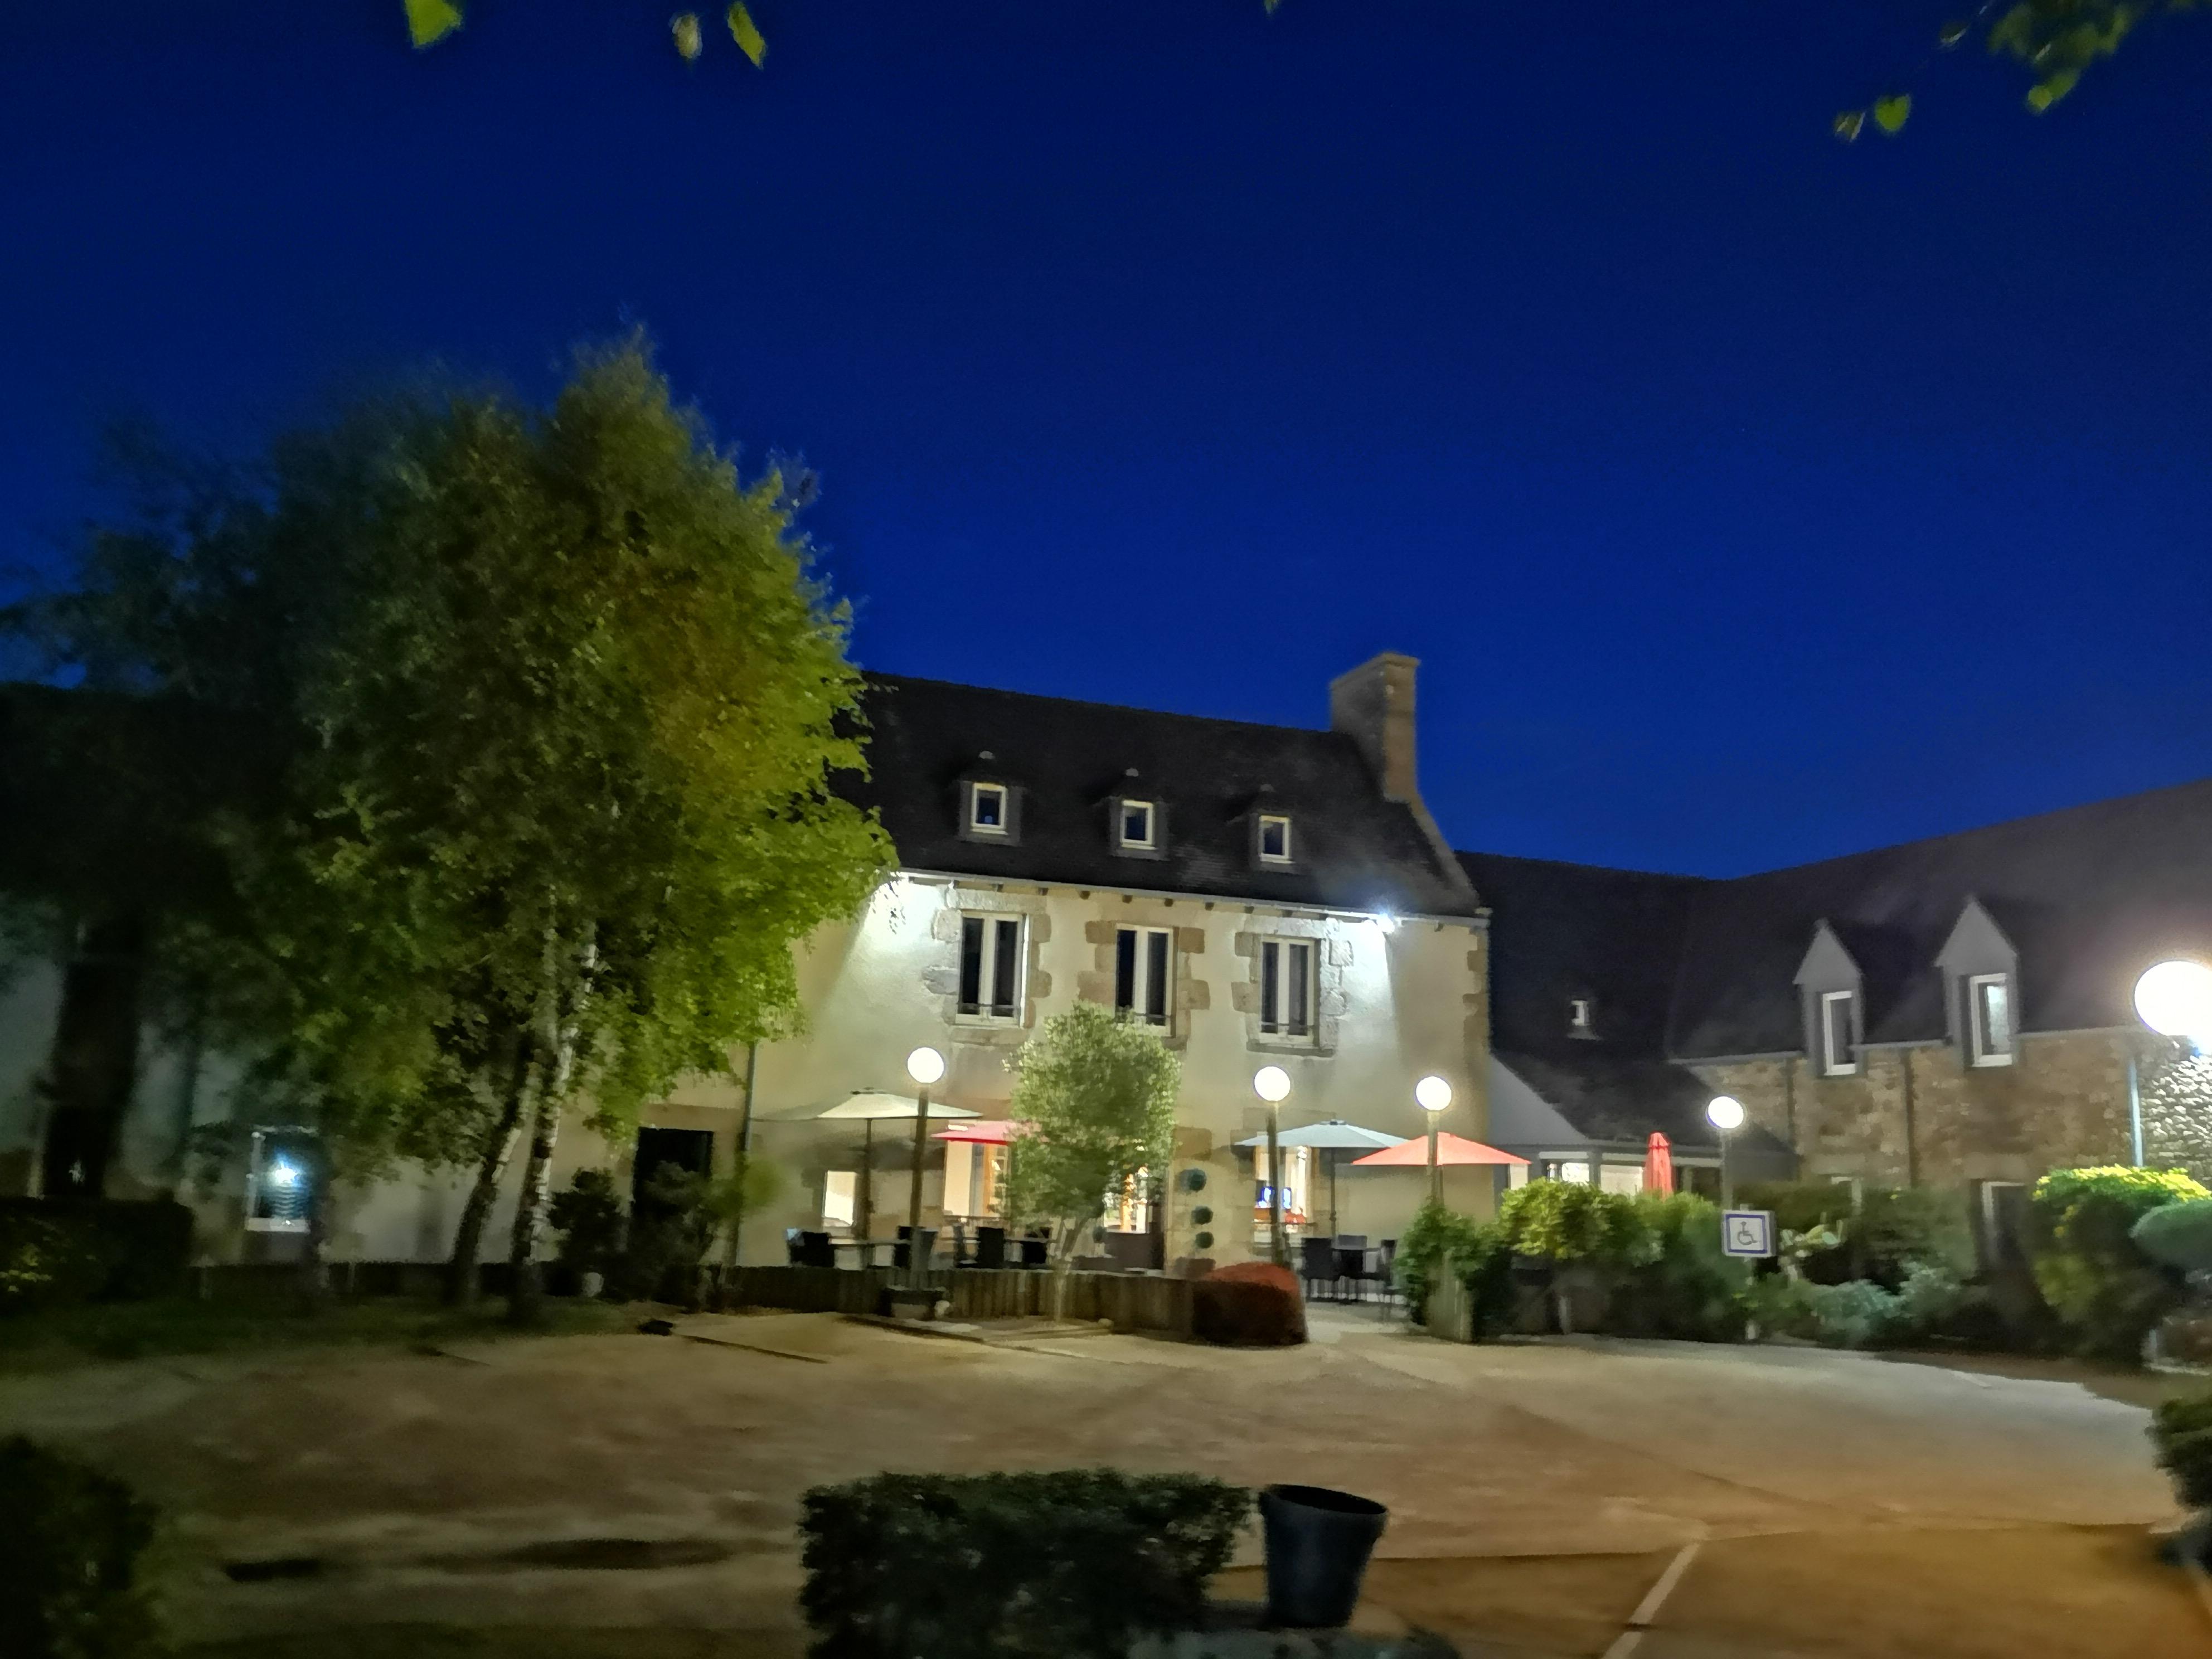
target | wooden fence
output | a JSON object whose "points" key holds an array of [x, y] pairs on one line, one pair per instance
{"points": [[1134, 1302]]}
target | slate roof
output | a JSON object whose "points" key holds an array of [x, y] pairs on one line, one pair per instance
{"points": [[1562, 931], [2089, 897], [1354, 848]]}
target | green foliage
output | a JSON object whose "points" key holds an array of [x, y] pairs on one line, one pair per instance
{"points": [[1250, 1304], [588, 1217], [1436, 1241], [1888, 1230], [429, 22], [70, 1539], [55, 1251], [2178, 1235], [1098, 1095], [1572, 1221], [2087, 1266], [1074, 1564], [2181, 1430], [1680, 1284]]}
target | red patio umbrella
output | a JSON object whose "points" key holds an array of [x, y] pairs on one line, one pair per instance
{"points": [[984, 1131], [1450, 1149], [1658, 1164]]}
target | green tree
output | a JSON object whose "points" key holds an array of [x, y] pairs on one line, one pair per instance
{"points": [[1097, 1094]]}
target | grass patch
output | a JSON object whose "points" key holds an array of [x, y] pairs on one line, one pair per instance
{"points": [[60, 1337], [552, 1642]]}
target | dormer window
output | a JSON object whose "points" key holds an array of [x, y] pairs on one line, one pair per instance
{"points": [[1581, 1017], [1988, 1019], [1839, 1044], [1135, 825], [986, 808], [1274, 838]]}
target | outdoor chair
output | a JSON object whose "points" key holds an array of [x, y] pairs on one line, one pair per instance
{"points": [[815, 1250], [1317, 1263], [990, 1246], [1033, 1251], [794, 1247], [1352, 1261], [902, 1252]]}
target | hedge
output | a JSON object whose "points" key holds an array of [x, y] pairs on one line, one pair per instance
{"points": [[70, 1539], [1075, 1564], [1251, 1304], [59, 1250], [2181, 1430], [2086, 1264]]}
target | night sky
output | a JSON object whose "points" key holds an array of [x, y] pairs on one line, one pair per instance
{"points": [[1749, 498]]}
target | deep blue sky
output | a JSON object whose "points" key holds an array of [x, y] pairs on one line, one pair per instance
{"points": [[1748, 498]]}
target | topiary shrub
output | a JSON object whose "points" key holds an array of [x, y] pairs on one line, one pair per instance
{"points": [[1570, 1221], [2181, 1430], [71, 1538], [587, 1214], [2177, 1236], [1250, 1304], [1075, 1564], [2107, 1290]]}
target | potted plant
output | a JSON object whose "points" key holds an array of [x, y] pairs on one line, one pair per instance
{"points": [[1318, 1543]]}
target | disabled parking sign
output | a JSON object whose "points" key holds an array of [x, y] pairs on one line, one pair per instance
{"points": [[1747, 1232]]}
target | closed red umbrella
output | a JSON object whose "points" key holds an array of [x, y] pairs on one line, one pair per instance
{"points": [[1658, 1164]]}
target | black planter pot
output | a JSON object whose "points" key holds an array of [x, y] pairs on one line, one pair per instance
{"points": [[1318, 1542]]}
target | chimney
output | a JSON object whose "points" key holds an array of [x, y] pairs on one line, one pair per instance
{"points": [[1373, 705]]}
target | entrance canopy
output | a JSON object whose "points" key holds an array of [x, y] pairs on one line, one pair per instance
{"points": [[1333, 1136], [1451, 1149]]}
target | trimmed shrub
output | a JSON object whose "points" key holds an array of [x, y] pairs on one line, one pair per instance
{"points": [[1687, 1286], [2088, 1267], [1570, 1221], [1075, 1564], [1251, 1304], [70, 1539], [63, 1250], [589, 1216], [2181, 1430], [2177, 1236]]}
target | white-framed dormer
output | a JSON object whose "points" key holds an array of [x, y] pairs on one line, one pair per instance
{"points": [[1981, 988], [1272, 841], [989, 808], [990, 804], [1137, 819], [1832, 989]]}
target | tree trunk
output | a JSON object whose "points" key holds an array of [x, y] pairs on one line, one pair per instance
{"points": [[461, 1274], [314, 1265], [94, 1068], [526, 1295]]}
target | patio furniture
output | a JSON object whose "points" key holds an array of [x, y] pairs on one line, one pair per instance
{"points": [[1033, 1252], [1330, 1138], [1318, 1263], [811, 1249], [901, 1252], [990, 1246], [1352, 1262]]}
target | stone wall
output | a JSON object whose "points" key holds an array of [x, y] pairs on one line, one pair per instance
{"points": [[1921, 1113], [2176, 1090]]}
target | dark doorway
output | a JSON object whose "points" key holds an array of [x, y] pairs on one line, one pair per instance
{"points": [[688, 1150]]}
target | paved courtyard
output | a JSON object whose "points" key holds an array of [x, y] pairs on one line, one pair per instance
{"points": [[1838, 1504]]}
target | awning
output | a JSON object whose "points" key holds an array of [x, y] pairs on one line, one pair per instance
{"points": [[983, 1132], [1333, 1136], [873, 1105], [1451, 1149]]}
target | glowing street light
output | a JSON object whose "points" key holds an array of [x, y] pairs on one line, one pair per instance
{"points": [[2174, 998], [1272, 1084], [1432, 1094], [925, 1066], [1725, 1113]]}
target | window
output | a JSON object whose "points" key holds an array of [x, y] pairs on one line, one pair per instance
{"points": [[2002, 1212], [840, 1187], [280, 1177], [1274, 838], [1579, 1018], [990, 966], [1143, 972], [1839, 1046], [1286, 988], [1133, 825], [1988, 1019], [986, 808]]}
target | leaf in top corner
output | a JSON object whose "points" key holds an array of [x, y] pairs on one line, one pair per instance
{"points": [[684, 26], [1890, 115], [746, 32], [429, 22], [1848, 123], [1953, 32]]}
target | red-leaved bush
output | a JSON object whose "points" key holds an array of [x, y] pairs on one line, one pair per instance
{"points": [[1253, 1304]]}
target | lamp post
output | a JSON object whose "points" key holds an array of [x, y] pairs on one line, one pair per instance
{"points": [[1433, 1094], [2174, 998], [925, 1066], [1725, 1113], [1272, 1084]]}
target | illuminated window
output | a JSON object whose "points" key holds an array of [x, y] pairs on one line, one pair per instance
{"points": [[1143, 972], [986, 808], [1988, 1008], [1579, 1018], [1839, 1044], [1136, 825], [840, 1188], [280, 1176], [1274, 838]]}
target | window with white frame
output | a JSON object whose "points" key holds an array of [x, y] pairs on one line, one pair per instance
{"points": [[986, 808], [1274, 838], [1580, 1018], [841, 1191], [991, 967], [1135, 823], [1286, 988], [1988, 1019], [1144, 972], [1839, 1042], [280, 1177]]}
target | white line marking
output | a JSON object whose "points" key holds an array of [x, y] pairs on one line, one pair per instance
{"points": [[1625, 1644]]}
